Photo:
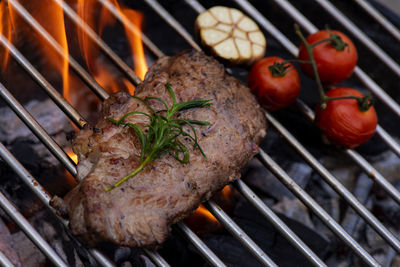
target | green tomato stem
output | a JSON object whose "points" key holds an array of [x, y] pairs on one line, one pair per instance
{"points": [[309, 49]]}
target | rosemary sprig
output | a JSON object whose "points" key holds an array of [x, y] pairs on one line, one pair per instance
{"points": [[162, 132]]}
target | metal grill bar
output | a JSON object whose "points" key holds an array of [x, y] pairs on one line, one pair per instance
{"points": [[370, 170], [384, 22], [43, 196], [394, 193], [96, 38], [305, 23], [90, 81], [361, 252], [315, 207], [58, 153], [336, 185], [277, 222], [172, 22], [207, 253], [388, 139], [286, 43], [50, 90], [364, 164], [4, 261], [249, 244], [110, 6], [33, 235], [37, 130], [149, 1], [360, 35], [154, 256], [132, 28], [235, 230]]}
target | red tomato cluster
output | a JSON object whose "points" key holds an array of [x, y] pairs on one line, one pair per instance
{"points": [[343, 122]]}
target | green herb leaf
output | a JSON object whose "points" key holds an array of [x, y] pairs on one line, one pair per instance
{"points": [[163, 131]]}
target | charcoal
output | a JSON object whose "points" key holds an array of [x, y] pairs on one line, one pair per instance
{"points": [[362, 191], [8, 246], [293, 208], [264, 181], [267, 237]]}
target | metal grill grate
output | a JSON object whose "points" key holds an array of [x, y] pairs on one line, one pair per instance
{"points": [[224, 219]]}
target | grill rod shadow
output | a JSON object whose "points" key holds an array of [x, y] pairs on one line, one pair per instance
{"points": [[43, 196], [232, 227], [31, 232], [305, 23]]}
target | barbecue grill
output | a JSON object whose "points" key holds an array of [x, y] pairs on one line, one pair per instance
{"points": [[230, 225]]}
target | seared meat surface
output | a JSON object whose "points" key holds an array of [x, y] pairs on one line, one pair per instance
{"points": [[141, 211]]}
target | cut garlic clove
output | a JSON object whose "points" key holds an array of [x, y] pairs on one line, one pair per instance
{"points": [[230, 35]]}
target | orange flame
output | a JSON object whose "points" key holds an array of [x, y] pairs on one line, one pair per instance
{"points": [[91, 52], [51, 17], [202, 221], [135, 41], [202, 211], [72, 155], [7, 24]]}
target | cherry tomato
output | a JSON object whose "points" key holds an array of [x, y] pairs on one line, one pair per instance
{"points": [[276, 88], [333, 65], [342, 121]]}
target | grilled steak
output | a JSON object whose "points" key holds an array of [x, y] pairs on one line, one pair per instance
{"points": [[141, 211]]}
